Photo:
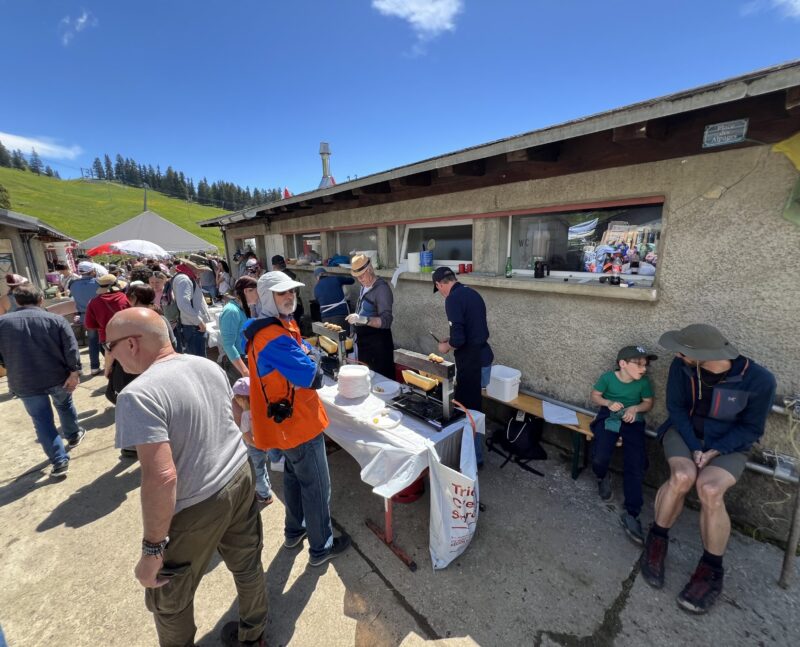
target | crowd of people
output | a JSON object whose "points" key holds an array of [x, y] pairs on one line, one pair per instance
{"points": [[149, 321]]}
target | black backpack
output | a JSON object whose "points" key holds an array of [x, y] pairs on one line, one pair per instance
{"points": [[520, 442]]}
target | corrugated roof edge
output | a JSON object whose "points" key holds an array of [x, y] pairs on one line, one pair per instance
{"points": [[771, 79], [20, 220]]}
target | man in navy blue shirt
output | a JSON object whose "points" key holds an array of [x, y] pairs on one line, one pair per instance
{"points": [[329, 294], [469, 340]]}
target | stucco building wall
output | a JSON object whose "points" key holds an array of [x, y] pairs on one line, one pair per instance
{"points": [[726, 257]]}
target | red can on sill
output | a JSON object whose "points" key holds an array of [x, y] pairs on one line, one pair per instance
{"points": [[469, 268], [462, 268]]}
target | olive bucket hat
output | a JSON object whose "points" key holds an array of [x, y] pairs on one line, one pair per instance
{"points": [[699, 341]]}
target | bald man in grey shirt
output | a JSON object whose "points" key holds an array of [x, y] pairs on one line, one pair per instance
{"points": [[198, 492]]}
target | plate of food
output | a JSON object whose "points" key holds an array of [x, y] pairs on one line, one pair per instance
{"points": [[386, 389], [385, 418]]}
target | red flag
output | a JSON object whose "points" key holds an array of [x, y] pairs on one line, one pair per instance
{"points": [[286, 193]]}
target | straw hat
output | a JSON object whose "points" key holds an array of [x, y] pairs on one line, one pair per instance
{"points": [[359, 264]]}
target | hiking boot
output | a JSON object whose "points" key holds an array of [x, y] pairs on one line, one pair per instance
{"points": [[60, 471], [295, 542], [604, 487], [340, 544], [632, 527], [97, 371], [230, 636], [703, 589], [652, 560], [73, 442]]}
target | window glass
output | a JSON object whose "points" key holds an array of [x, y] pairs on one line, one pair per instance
{"points": [[587, 241], [244, 245], [308, 246], [359, 240], [453, 243]]}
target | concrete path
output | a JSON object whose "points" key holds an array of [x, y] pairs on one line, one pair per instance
{"points": [[549, 564]]}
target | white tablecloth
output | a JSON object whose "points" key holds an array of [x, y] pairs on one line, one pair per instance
{"points": [[391, 459]]}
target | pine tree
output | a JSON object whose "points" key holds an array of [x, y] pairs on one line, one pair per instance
{"points": [[48, 171], [18, 160], [5, 199], [56, 175], [5, 156], [35, 162], [108, 167], [97, 169], [119, 168]]}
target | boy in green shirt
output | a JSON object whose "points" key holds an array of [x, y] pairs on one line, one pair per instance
{"points": [[623, 395]]}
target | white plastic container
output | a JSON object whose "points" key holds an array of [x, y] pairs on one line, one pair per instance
{"points": [[504, 383]]}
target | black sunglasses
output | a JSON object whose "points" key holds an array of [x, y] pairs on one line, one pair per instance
{"points": [[108, 346]]}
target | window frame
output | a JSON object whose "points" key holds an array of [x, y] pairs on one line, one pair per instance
{"points": [[338, 232], [586, 277], [403, 256]]}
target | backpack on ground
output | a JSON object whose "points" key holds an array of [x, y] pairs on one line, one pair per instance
{"points": [[520, 442]]}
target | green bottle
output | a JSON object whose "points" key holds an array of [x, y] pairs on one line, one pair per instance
{"points": [[509, 269]]}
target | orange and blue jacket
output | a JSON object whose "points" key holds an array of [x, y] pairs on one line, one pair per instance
{"points": [[280, 369]]}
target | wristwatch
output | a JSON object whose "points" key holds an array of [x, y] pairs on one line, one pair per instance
{"points": [[154, 550]]}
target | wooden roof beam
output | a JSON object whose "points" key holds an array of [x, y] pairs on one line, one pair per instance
{"points": [[643, 131], [793, 100], [476, 168], [303, 204], [546, 154], [417, 179], [373, 189]]}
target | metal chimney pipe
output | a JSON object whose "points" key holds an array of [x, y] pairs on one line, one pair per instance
{"points": [[325, 154]]}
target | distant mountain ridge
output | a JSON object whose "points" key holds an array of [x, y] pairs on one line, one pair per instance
{"points": [[82, 208]]}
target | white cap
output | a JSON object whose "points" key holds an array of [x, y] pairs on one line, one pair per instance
{"points": [[277, 282], [250, 262], [85, 267]]}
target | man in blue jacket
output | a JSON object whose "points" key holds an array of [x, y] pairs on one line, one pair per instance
{"points": [[469, 341], [718, 402]]}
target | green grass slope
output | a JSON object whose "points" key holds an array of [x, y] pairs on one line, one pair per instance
{"points": [[84, 208]]}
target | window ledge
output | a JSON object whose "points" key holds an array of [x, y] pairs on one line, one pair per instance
{"points": [[554, 285]]}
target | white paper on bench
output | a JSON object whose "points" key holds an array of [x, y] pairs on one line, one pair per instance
{"points": [[558, 415]]}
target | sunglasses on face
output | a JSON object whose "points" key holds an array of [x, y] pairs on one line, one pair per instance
{"points": [[108, 346]]}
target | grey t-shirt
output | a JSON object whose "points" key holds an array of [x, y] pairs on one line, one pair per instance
{"points": [[185, 400]]}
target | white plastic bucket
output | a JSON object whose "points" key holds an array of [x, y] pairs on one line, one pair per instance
{"points": [[504, 383], [413, 261]]}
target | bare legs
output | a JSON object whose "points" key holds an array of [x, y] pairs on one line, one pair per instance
{"points": [[712, 483]]}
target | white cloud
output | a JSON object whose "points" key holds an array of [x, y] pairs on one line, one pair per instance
{"points": [[45, 146], [789, 8], [428, 18], [68, 26]]}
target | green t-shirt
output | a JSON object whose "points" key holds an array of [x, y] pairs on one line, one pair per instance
{"points": [[628, 393]]}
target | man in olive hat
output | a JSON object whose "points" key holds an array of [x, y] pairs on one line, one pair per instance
{"points": [[718, 402]]}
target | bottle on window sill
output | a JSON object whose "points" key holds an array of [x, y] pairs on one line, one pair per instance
{"points": [[509, 268]]}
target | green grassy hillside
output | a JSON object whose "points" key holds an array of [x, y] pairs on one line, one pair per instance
{"points": [[84, 208]]}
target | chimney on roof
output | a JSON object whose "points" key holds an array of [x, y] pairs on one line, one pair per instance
{"points": [[325, 153]]}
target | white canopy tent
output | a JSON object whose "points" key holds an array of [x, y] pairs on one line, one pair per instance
{"points": [[148, 225]]}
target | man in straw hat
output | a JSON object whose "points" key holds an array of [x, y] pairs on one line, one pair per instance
{"points": [[372, 320], [718, 402]]}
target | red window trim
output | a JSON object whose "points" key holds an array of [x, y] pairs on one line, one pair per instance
{"points": [[559, 208]]}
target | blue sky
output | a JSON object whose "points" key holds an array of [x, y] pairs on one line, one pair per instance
{"points": [[244, 90]]}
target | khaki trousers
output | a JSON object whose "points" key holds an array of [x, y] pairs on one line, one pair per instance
{"points": [[228, 522]]}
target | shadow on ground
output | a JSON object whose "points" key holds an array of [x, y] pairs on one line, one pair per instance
{"points": [[22, 485], [95, 500]]}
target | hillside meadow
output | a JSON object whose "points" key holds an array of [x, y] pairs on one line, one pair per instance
{"points": [[83, 208]]}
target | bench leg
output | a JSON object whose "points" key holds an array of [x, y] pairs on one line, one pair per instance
{"points": [[577, 441]]}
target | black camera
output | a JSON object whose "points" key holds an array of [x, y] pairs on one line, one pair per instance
{"points": [[280, 411]]}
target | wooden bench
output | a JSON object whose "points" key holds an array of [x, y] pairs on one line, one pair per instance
{"points": [[581, 433]]}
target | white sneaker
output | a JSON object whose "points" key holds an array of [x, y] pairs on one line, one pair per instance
{"points": [[277, 466]]}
